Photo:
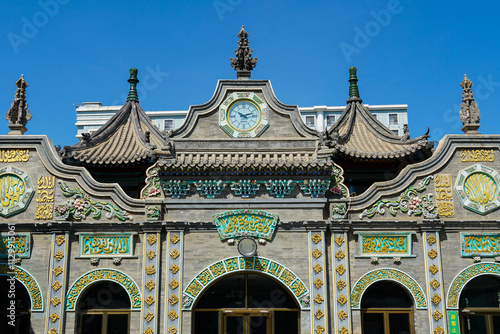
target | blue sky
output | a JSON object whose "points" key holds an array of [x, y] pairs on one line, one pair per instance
{"points": [[411, 52]]}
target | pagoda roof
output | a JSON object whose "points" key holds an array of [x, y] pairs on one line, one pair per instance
{"points": [[357, 134], [129, 137]]}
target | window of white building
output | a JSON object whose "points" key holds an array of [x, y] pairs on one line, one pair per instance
{"points": [[168, 124], [393, 119], [330, 120], [310, 121]]}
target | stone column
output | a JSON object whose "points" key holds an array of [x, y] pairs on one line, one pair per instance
{"points": [[320, 117]]}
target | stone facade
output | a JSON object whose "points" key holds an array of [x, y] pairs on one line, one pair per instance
{"points": [[166, 250]]}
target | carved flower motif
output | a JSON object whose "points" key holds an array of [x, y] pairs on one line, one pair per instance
{"points": [[94, 261], [336, 190], [62, 208], [231, 242], [153, 191], [117, 260], [414, 203], [79, 204]]}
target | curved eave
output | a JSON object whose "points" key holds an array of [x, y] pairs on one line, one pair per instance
{"points": [[119, 163], [390, 155]]}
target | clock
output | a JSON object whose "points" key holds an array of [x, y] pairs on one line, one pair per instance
{"points": [[243, 115]]}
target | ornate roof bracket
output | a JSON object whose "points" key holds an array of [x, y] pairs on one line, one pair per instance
{"points": [[18, 114], [469, 112], [243, 63]]}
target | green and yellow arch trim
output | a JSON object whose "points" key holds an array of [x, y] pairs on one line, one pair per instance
{"points": [[29, 283], [249, 264], [456, 287], [104, 274], [388, 275]]}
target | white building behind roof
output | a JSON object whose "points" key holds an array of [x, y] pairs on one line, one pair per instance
{"points": [[90, 116]]}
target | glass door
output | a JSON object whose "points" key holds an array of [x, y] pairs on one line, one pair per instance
{"points": [[104, 322], [390, 321], [246, 323]]}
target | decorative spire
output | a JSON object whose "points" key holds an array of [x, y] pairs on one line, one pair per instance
{"points": [[132, 93], [19, 115], [353, 87], [243, 63], [469, 112]]}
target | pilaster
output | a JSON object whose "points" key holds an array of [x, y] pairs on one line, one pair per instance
{"points": [[173, 286], [434, 281], [341, 281], [150, 283], [57, 283], [319, 284]]}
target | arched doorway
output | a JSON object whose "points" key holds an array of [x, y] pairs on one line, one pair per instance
{"points": [[104, 308], [387, 308], [246, 303], [479, 305], [15, 305]]}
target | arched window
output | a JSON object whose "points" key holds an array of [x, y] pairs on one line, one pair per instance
{"points": [[387, 308], [104, 309], [246, 303], [480, 306], [15, 305]]}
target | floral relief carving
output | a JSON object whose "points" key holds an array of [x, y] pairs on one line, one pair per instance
{"points": [[80, 206], [407, 202]]}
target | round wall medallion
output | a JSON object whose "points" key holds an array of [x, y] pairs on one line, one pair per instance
{"points": [[478, 189], [16, 190], [243, 115], [247, 247]]}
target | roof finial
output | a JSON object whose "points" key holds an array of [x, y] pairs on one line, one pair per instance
{"points": [[469, 112], [19, 115], [353, 87], [243, 63], [132, 93]]}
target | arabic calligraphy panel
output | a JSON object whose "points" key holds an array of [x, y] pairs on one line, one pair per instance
{"points": [[106, 245], [386, 244]]}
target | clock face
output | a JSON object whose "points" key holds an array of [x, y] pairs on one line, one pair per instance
{"points": [[243, 115]]}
